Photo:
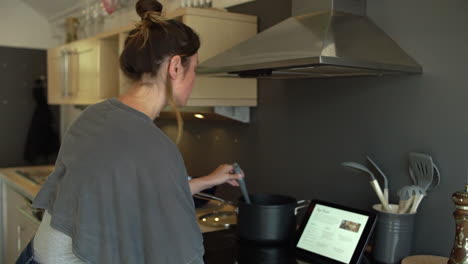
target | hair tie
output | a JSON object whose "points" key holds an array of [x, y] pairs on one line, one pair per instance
{"points": [[154, 17], [143, 27]]}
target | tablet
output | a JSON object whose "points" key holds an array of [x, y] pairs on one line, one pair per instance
{"points": [[331, 233]]}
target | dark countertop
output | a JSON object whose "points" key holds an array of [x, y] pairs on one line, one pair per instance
{"points": [[224, 247]]}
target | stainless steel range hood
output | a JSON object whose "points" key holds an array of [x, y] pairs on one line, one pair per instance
{"points": [[341, 41]]}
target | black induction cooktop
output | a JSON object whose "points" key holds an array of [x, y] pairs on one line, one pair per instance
{"points": [[224, 247]]}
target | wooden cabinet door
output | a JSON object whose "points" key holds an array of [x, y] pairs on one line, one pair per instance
{"points": [[216, 91], [84, 71], [66, 66], [58, 79], [26, 227], [12, 199], [20, 229], [218, 35]]}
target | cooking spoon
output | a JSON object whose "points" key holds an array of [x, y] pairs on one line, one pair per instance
{"points": [[422, 167], [242, 184], [373, 181], [385, 191]]}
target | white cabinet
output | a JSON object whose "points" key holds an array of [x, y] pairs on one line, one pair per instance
{"points": [[19, 225]]}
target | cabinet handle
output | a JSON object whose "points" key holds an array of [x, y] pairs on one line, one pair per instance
{"points": [[75, 71], [65, 72], [18, 238], [71, 66]]}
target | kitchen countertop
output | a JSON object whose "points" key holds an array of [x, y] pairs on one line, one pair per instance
{"points": [[29, 189], [22, 185]]}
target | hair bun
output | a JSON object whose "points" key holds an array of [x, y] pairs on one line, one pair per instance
{"points": [[145, 6]]}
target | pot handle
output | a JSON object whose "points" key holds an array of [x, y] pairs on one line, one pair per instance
{"points": [[301, 204]]}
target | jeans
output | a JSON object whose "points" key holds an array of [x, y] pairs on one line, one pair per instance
{"points": [[27, 256]]}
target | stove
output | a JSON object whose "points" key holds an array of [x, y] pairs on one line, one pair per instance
{"points": [[224, 247]]}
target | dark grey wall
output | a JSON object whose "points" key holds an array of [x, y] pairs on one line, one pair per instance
{"points": [[303, 129], [18, 69]]}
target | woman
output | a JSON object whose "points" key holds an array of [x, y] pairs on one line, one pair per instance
{"points": [[119, 192]]}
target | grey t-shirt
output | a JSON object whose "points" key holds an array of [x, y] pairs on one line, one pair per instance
{"points": [[120, 191]]}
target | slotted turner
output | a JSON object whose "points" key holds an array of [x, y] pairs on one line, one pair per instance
{"points": [[435, 180], [422, 167]]}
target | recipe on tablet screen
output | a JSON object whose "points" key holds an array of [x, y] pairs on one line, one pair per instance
{"points": [[332, 232]]}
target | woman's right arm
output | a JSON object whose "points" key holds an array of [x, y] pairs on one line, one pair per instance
{"points": [[220, 175]]}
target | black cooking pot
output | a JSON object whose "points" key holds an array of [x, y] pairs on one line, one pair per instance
{"points": [[269, 219]]}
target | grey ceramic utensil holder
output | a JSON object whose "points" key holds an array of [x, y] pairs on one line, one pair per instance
{"points": [[393, 236]]}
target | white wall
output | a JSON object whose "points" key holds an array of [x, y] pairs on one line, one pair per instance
{"points": [[21, 26]]}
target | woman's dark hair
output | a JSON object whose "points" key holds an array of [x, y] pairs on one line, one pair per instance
{"points": [[154, 39]]}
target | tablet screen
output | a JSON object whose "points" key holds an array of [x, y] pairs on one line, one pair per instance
{"points": [[333, 233]]}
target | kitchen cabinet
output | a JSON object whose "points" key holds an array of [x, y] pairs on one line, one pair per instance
{"points": [[218, 32], [83, 72], [87, 71], [19, 224], [18, 221]]}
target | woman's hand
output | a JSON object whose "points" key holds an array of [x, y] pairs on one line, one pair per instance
{"points": [[222, 174]]}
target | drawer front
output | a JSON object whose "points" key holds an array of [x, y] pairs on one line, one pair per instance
{"points": [[20, 224]]}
